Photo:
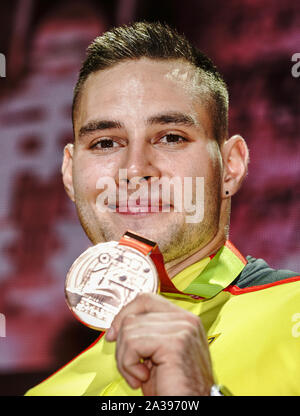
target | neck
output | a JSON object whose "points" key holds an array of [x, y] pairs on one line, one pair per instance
{"points": [[176, 266]]}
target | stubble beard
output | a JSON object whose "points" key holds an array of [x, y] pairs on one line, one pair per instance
{"points": [[189, 237], [175, 239]]}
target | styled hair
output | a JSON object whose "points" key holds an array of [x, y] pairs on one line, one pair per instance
{"points": [[159, 42]]}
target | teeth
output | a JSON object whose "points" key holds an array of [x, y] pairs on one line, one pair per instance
{"points": [[139, 208]]}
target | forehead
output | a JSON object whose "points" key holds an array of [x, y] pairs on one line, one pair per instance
{"points": [[137, 87], [147, 70]]}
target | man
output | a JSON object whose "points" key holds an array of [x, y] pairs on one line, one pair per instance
{"points": [[148, 102]]}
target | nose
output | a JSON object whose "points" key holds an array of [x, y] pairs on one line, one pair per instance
{"points": [[140, 163]]}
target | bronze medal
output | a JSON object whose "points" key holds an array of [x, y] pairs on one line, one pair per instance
{"points": [[105, 278]]}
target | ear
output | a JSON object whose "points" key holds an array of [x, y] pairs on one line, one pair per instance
{"points": [[67, 170], [235, 156]]}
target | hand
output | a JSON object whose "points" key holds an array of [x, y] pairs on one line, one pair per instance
{"points": [[161, 348]]}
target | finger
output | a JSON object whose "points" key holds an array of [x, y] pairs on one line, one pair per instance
{"points": [[154, 341], [153, 320], [133, 382], [131, 366], [136, 375], [166, 347], [143, 303]]}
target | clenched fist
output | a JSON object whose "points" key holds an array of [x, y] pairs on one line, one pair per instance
{"points": [[161, 348]]}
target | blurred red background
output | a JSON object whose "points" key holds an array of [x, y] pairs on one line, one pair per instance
{"points": [[251, 42]]}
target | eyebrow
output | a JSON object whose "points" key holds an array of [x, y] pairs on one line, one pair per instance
{"points": [[177, 118], [99, 125], [172, 118]]}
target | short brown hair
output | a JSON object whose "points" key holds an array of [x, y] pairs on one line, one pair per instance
{"points": [[161, 42]]}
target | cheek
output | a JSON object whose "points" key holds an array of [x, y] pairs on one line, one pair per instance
{"points": [[84, 183], [87, 172], [193, 164], [203, 162], [208, 161]]}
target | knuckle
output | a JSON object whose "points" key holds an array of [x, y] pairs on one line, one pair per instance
{"points": [[124, 347], [145, 298], [126, 344], [182, 336], [180, 342], [191, 319], [188, 331], [194, 320], [128, 320], [191, 329]]}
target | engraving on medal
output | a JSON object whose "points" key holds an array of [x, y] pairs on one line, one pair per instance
{"points": [[105, 278]]}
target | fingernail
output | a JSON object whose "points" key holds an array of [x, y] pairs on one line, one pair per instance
{"points": [[110, 334]]}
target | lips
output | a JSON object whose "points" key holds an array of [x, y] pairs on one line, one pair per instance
{"points": [[141, 207]]}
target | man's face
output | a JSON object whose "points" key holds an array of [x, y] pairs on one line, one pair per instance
{"points": [[147, 117]]}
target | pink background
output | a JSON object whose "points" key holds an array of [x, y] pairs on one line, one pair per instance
{"points": [[251, 42]]}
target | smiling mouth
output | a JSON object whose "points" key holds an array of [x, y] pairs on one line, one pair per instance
{"points": [[141, 209]]}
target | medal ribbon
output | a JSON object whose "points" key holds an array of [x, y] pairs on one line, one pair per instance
{"points": [[222, 269]]}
